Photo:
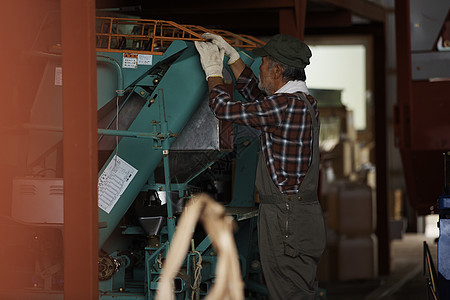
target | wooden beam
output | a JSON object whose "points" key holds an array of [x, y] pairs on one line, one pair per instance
{"points": [[80, 149], [404, 72], [240, 22], [329, 19], [381, 154], [292, 20], [202, 5], [365, 9]]}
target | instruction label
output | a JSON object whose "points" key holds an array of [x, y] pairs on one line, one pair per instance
{"points": [[129, 61], [145, 59], [113, 182]]}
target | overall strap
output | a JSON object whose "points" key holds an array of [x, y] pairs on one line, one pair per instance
{"points": [[310, 108]]}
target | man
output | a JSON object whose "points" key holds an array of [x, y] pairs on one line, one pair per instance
{"points": [[291, 231]]}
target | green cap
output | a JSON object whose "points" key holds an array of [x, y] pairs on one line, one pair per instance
{"points": [[286, 49]]}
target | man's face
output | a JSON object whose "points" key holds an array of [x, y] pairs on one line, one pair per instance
{"points": [[265, 77]]}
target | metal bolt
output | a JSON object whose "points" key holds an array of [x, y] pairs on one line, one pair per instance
{"points": [[152, 101], [142, 93]]}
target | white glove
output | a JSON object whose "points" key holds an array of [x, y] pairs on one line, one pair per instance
{"points": [[222, 44], [211, 58]]}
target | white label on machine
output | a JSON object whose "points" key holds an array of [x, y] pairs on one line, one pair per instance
{"points": [[58, 76], [129, 60], [145, 59], [113, 182]]}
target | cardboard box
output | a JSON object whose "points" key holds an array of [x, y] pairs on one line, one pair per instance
{"points": [[349, 258], [350, 208], [341, 159], [357, 258]]}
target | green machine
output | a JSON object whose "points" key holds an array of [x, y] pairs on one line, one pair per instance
{"points": [[158, 143]]}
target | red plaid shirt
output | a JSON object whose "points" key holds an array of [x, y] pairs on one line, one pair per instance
{"points": [[284, 120]]}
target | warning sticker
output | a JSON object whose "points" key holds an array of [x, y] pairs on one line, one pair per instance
{"points": [[113, 182], [130, 61], [145, 59]]}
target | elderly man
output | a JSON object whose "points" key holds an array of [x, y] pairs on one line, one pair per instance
{"points": [[291, 230]]}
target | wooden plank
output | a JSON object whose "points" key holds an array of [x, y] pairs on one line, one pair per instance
{"points": [[80, 150]]}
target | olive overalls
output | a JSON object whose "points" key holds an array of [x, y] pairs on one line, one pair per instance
{"points": [[291, 229]]}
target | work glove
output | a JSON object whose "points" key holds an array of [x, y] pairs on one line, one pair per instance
{"points": [[222, 44], [211, 58]]}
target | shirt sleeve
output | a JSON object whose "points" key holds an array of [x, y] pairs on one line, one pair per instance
{"points": [[247, 86], [266, 114]]}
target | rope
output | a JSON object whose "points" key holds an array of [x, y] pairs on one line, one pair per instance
{"points": [[228, 283], [197, 276], [159, 261]]}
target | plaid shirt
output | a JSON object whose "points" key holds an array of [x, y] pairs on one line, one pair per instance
{"points": [[284, 120]]}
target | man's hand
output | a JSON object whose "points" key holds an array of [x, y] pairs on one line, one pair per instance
{"points": [[211, 59], [222, 44]]}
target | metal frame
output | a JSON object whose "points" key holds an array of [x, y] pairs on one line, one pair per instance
{"points": [[156, 35]]}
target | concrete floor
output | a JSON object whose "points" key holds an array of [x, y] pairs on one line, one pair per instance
{"points": [[406, 280]]}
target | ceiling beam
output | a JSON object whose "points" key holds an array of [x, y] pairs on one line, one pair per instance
{"points": [[288, 16], [328, 19], [362, 8], [240, 22], [201, 5], [292, 20]]}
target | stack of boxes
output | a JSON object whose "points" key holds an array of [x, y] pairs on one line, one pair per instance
{"points": [[348, 201], [351, 226], [351, 251]]}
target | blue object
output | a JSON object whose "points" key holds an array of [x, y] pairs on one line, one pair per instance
{"points": [[444, 248]]}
